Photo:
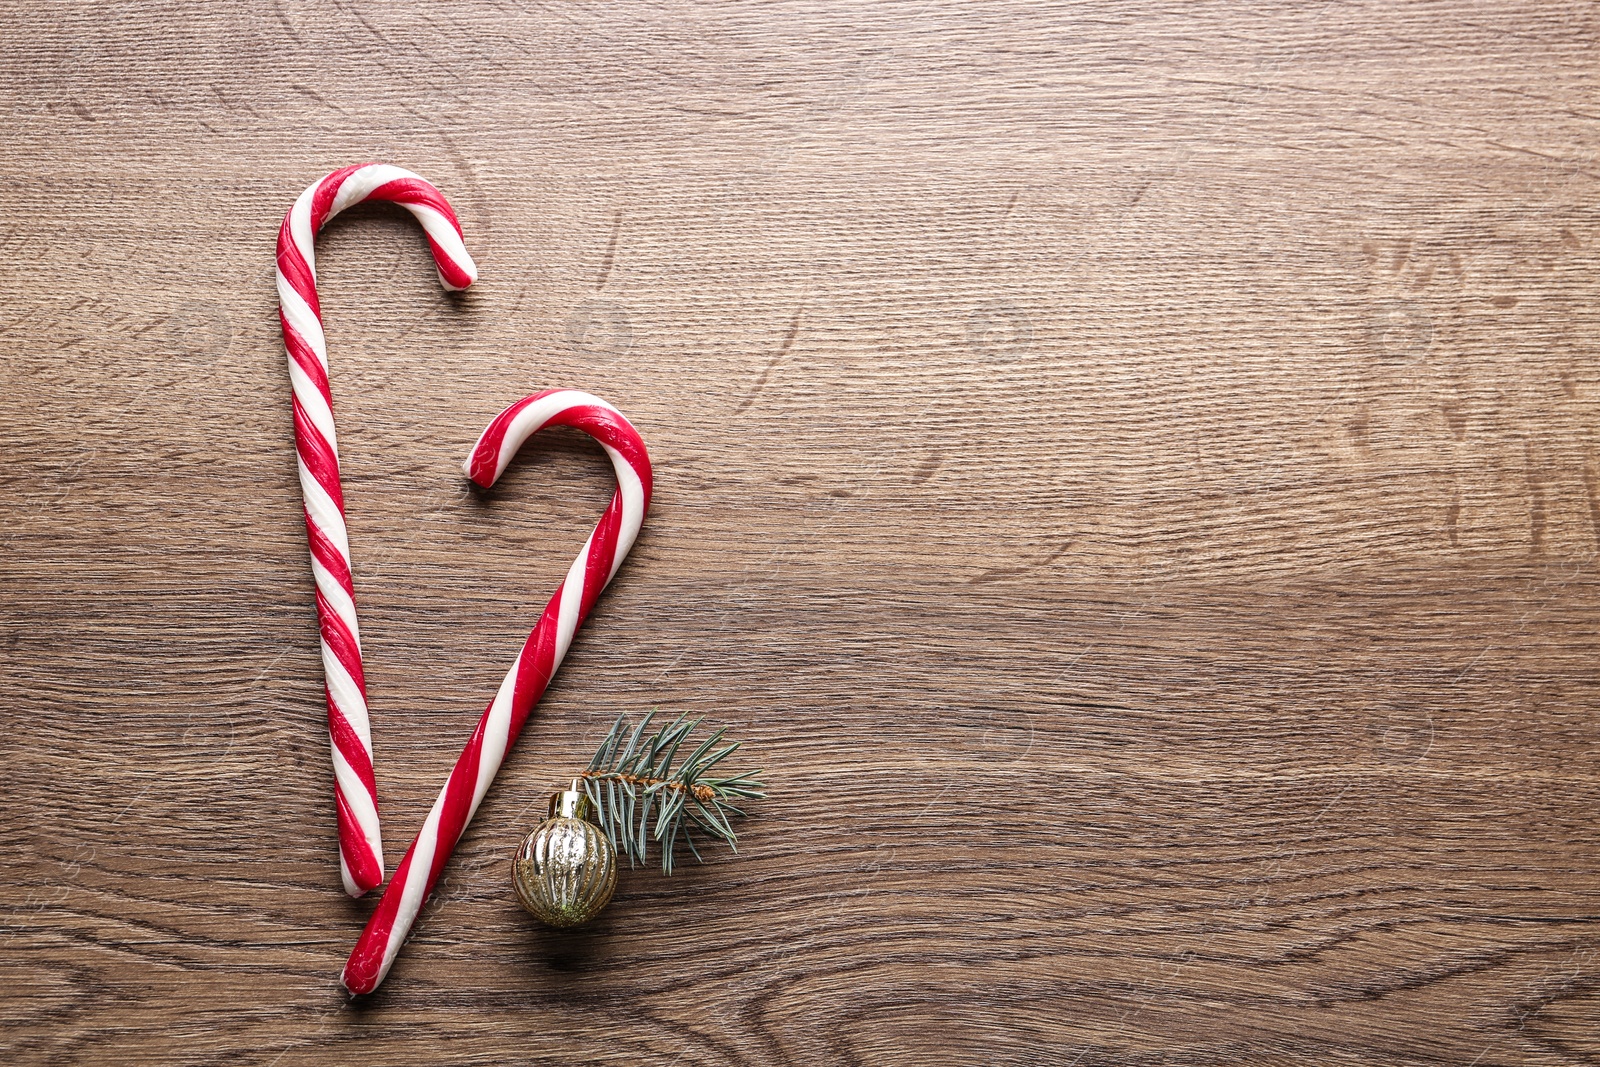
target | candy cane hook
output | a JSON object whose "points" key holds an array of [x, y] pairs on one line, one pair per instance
{"points": [[543, 652], [349, 731]]}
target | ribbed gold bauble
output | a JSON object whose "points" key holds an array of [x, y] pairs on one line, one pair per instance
{"points": [[566, 870]]}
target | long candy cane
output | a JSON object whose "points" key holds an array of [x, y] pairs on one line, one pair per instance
{"points": [[543, 652], [356, 792]]}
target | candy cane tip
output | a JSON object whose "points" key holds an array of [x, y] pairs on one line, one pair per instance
{"points": [[481, 469], [458, 274], [358, 883], [356, 985], [363, 972]]}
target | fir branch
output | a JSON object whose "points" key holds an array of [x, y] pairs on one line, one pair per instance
{"points": [[634, 777]]}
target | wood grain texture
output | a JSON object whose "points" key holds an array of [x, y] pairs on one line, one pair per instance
{"points": [[1128, 469]]}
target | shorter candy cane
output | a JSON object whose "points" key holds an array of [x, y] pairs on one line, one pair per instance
{"points": [[355, 789], [525, 683]]}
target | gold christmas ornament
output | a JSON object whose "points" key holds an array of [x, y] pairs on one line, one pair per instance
{"points": [[566, 870], [641, 787]]}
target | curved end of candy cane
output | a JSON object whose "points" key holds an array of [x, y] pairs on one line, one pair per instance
{"points": [[506, 432], [489, 457], [456, 274], [478, 472]]}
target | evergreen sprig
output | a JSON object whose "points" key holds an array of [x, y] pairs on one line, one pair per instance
{"points": [[640, 794]]}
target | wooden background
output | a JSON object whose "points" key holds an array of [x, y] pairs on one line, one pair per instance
{"points": [[1127, 469]]}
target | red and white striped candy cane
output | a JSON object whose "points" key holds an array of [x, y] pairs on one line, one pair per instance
{"points": [[526, 681], [360, 844]]}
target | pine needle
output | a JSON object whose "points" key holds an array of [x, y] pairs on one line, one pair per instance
{"points": [[632, 778]]}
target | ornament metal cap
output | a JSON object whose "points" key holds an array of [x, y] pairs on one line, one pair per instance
{"points": [[571, 803]]}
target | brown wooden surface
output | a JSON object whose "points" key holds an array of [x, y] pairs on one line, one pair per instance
{"points": [[1128, 469]]}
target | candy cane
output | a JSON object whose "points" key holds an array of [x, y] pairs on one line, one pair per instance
{"points": [[543, 652], [350, 734]]}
